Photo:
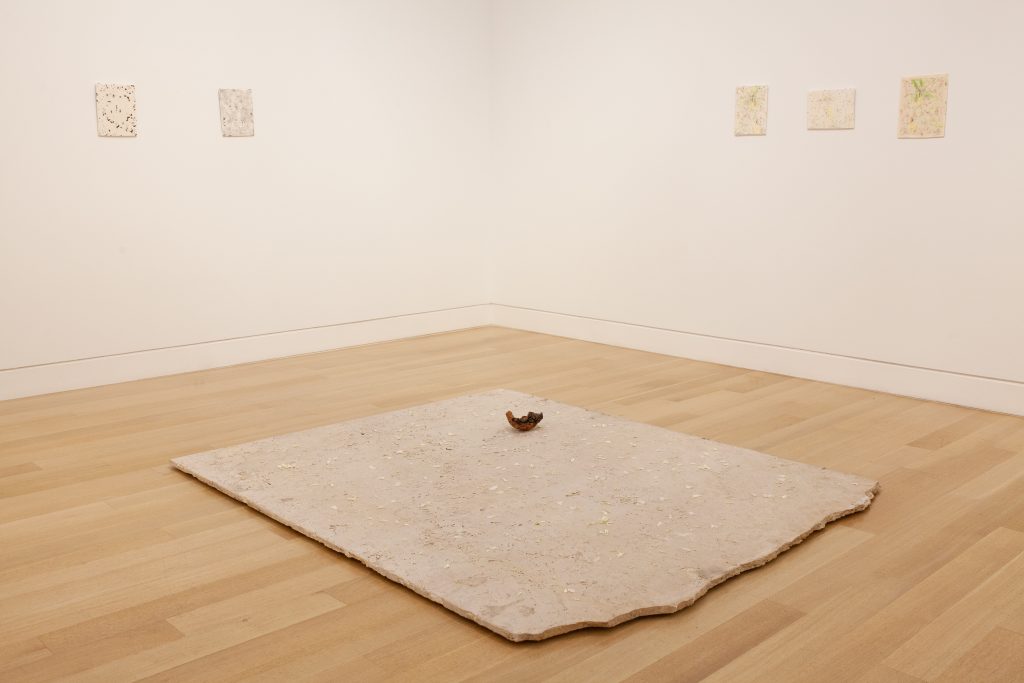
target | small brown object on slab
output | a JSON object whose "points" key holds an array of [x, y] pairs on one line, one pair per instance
{"points": [[525, 423]]}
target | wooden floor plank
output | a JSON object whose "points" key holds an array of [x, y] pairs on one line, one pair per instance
{"points": [[712, 650], [958, 629], [998, 658]]}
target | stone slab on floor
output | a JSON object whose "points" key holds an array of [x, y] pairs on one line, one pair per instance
{"points": [[587, 520]]}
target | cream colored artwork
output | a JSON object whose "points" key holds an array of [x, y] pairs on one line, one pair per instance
{"points": [[236, 119], [831, 109], [115, 110], [923, 106], [752, 110]]}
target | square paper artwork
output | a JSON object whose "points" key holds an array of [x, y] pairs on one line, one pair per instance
{"points": [[751, 110], [236, 113], [115, 110], [923, 106], [587, 520], [831, 109]]}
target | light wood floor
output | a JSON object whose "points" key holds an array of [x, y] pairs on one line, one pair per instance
{"points": [[114, 567]]}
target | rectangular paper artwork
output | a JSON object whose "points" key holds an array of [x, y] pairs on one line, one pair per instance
{"points": [[751, 110], [587, 520], [115, 110], [236, 119], [923, 106], [831, 109]]}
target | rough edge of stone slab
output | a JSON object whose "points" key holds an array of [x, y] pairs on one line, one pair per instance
{"points": [[564, 628]]}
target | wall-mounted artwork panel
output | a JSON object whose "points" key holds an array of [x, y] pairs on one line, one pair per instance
{"points": [[236, 120], [923, 106], [831, 109], [115, 110], [751, 110]]}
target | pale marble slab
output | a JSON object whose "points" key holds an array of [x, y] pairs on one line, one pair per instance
{"points": [[923, 106], [751, 110], [115, 110], [588, 520], [236, 119]]}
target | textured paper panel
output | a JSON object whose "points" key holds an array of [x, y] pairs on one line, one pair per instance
{"points": [[831, 109], [236, 113], [587, 520], [923, 106], [752, 110], [115, 110]]}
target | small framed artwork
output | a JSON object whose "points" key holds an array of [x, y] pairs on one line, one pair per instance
{"points": [[751, 110], [115, 110], [923, 106], [831, 109], [236, 120]]}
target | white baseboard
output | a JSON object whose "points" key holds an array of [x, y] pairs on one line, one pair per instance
{"points": [[77, 374], [935, 385], [1003, 396]]}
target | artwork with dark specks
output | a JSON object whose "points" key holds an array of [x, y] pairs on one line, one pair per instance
{"points": [[115, 110]]}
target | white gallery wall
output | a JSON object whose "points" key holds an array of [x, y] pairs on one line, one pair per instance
{"points": [[359, 198], [849, 256], [567, 166]]}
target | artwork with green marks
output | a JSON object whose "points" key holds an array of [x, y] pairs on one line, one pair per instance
{"points": [[923, 106], [751, 110]]}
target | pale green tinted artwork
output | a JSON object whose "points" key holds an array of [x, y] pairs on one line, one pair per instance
{"points": [[923, 106], [751, 110], [831, 109]]}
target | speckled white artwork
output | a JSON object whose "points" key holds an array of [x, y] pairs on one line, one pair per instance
{"points": [[236, 119], [923, 106], [831, 109], [751, 110], [587, 520], [115, 110]]}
